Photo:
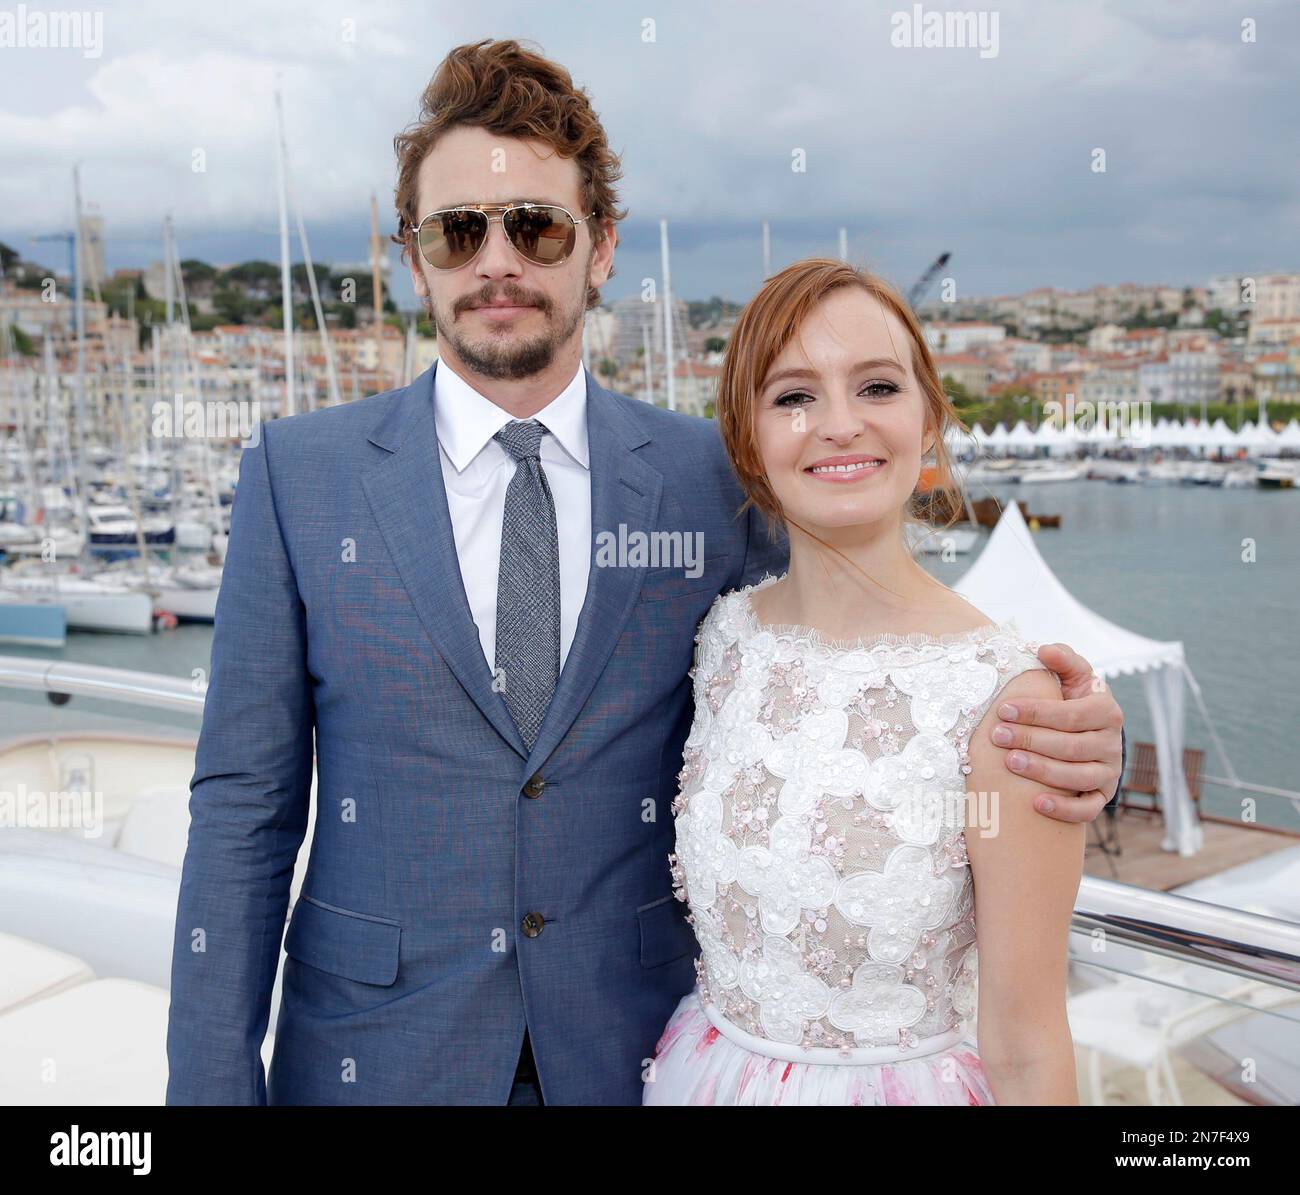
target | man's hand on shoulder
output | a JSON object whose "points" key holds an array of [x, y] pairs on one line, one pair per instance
{"points": [[1073, 742]]}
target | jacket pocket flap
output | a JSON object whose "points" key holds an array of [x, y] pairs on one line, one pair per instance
{"points": [[344, 943], [665, 933], [663, 584]]}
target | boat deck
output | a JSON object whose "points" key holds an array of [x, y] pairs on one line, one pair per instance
{"points": [[1144, 863]]}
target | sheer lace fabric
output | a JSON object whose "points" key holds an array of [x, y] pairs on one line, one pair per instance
{"points": [[821, 826]]}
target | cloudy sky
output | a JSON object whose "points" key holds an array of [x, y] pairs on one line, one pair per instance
{"points": [[915, 150]]}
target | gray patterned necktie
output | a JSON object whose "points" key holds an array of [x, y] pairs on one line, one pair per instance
{"points": [[528, 585]]}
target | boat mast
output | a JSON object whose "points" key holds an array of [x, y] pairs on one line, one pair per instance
{"points": [[377, 289], [667, 299], [331, 373], [286, 286], [80, 315]]}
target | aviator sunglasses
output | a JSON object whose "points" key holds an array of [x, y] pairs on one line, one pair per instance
{"points": [[542, 233]]}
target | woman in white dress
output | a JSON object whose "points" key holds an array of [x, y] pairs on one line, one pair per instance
{"points": [[848, 838]]}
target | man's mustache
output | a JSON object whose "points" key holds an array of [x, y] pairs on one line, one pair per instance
{"points": [[513, 294]]}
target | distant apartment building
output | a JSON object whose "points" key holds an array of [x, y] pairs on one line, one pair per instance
{"points": [[1155, 384], [956, 338], [694, 386], [1276, 376], [1225, 292], [1026, 356], [1273, 331], [1050, 387], [1236, 382], [599, 336], [637, 320], [1276, 296], [1185, 376], [1194, 373], [973, 373], [1113, 382], [1131, 342], [1105, 338], [26, 309]]}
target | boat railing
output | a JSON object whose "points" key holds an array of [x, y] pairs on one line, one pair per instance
{"points": [[1193, 932], [1236, 784], [65, 679], [1189, 931]]}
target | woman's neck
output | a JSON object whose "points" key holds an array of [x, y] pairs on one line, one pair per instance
{"points": [[879, 587]]}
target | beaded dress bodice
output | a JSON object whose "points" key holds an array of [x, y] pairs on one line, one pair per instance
{"points": [[821, 824]]}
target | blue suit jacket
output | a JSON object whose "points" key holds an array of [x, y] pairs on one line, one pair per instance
{"points": [[408, 976]]}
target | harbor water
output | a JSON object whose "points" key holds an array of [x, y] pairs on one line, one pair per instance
{"points": [[1166, 561]]}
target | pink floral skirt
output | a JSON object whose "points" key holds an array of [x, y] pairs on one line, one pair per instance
{"points": [[695, 1064]]}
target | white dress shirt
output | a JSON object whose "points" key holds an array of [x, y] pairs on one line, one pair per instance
{"points": [[476, 470]]}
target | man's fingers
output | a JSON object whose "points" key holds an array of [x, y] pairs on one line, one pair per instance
{"points": [[1073, 777], [1075, 673], [1083, 808], [1080, 746], [1097, 711], [1062, 659]]}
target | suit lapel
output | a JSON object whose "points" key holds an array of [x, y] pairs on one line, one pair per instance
{"points": [[624, 490], [409, 501]]}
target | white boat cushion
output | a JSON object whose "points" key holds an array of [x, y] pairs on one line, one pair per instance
{"points": [[102, 1043], [99, 1043], [30, 971], [157, 826]]}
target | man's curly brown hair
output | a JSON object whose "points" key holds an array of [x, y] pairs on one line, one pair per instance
{"points": [[508, 90]]}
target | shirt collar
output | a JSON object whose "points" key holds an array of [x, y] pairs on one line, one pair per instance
{"points": [[466, 421]]}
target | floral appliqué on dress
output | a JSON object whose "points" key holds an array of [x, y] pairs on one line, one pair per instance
{"points": [[821, 825]]}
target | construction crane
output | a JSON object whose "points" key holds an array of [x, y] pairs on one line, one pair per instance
{"points": [[70, 239], [89, 277], [378, 255], [919, 289]]}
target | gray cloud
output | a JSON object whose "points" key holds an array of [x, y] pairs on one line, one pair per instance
{"points": [[914, 150]]}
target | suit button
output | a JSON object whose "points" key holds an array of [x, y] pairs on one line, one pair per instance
{"points": [[533, 923], [535, 785]]}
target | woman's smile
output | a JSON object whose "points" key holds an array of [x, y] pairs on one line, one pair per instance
{"points": [[843, 470]]}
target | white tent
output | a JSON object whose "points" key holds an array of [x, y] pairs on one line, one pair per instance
{"points": [[1222, 438], [1267, 441], [1258, 441], [1168, 434], [1021, 439], [1059, 442], [1011, 580], [962, 445]]}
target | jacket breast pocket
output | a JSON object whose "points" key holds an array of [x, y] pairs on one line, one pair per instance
{"points": [[665, 933], [663, 584], [353, 945]]}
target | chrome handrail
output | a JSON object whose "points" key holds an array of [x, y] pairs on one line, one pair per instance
{"points": [[92, 680], [1248, 945]]}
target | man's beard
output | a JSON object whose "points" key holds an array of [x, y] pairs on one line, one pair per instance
{"points": [[505, 357]]}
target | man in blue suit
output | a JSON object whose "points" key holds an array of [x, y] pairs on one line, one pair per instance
{"points": [[458, 588]]}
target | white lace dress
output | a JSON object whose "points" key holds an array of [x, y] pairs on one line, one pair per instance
{"points": [[821, 848]]}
